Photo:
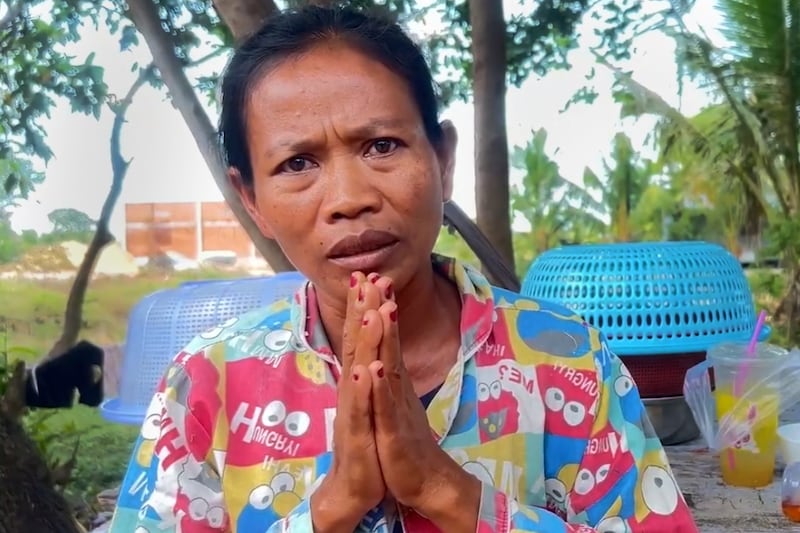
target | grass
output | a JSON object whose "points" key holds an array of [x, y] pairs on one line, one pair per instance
{"points": [[32, 316]]}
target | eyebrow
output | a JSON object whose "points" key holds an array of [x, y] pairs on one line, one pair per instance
{"points": [[371, 129]]}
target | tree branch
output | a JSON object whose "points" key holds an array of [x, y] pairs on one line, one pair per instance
{"points": [[244, 17], [145, 17]]}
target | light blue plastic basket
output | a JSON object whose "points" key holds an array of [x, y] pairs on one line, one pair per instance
{"points": [[163, 323], [650, 298]]}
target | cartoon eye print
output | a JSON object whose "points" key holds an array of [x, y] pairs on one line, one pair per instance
{"points": [[215, 517], [282, 482], [584, 482], [274, 413], [483, 392], [141, 529], [574, 413], [495, 389], [555, 490], [554, 399], [198, 509], [261, 497], [212, 333], [602, 473], [612, 524], [623, 385], [276, 341], [297, 423], [231, 321], [659, 491], [151, 427]]}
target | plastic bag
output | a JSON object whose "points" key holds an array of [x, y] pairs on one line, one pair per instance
{"points": [[780, 379]]}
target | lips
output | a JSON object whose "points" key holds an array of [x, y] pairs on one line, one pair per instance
{"points": [[363, 243]]}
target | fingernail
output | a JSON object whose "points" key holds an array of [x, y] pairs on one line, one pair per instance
{"points": [[380, 372], [372, 278], [393, 315], [355, 376], [389, 291], [353, 280], [360, 294]]}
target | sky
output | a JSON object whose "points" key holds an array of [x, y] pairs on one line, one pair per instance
{"points": [[167, 166]]}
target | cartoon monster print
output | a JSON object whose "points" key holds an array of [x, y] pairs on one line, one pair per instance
{"points": [[657, 494], [467, 415], [198, 505], [144, 471], [269, 502], [281, 341], [216, 332], [570, 398], [498, 411], [552, 334], [613, 524]]}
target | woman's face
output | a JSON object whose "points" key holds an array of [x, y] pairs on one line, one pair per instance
{"points": [[344, 176]]}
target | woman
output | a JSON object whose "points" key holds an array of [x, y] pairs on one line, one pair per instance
{"points": [[396, 392]]}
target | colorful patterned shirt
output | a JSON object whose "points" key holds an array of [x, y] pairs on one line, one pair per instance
{"points": [[537, 407]]}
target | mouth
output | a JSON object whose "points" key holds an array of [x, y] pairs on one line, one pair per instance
{"points": [[365, 251]]}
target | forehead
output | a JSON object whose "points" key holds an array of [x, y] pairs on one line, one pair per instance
{"points": [[331, 81]]}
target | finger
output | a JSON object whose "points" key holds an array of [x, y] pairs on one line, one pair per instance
{"points": [[372, 297], [352, 322], [384, 405], [369, 338], [385, 287], [389, 349], [359, 404]]}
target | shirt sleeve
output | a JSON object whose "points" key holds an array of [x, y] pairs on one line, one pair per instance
{"points": [[172, 483], [615, 480]]}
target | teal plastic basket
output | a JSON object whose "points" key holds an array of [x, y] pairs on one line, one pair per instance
{"points": [[650, 298]]}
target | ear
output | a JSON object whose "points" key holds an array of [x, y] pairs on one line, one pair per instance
{"points": [[247, 195], [446, 153]]}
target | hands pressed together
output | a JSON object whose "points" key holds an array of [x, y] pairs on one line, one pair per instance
{"points": [[383, 446]]}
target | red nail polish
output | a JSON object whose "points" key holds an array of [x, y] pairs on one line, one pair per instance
{"points": [[360, 294], [353, 280], [373, 277], [393, 315], [389, 292], [380, 372], [355, 377], [365, 321]]}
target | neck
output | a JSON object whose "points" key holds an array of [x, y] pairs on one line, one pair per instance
{"points": [[429, 307]]}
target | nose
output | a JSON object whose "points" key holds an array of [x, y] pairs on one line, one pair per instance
{"points": [[350, 191]]}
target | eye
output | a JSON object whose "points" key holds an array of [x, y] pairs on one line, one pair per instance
{"points": [[277, 340], [282, 482], [614, 524], [554, 399], [584, 483], [602, 473], [574, 413], [483, 392], [659, 492], [261, 497], [297, 423], [623, 385], [495, 389], [296, 164], [555, 489], [198, 509], [273, 414], [151, 426], [215, 517], [381, 147]]}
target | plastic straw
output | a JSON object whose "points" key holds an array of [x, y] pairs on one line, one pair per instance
{"points": [[741, 374], [743, 371]]}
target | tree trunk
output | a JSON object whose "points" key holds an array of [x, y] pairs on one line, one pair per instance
{"points": [[144, 15], [491, 144], [244, 17], [28, 498]]}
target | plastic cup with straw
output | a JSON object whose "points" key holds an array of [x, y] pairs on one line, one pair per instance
{"points": [[744, 370]]}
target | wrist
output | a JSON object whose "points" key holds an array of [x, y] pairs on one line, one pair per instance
{"points": [[452, 499], [331, 512]]}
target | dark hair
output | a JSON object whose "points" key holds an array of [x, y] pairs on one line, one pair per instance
{"points": [[293, 32]]}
